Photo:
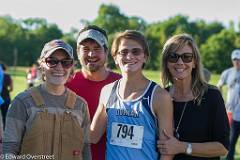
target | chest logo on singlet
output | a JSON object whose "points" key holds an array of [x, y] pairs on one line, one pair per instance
{"points": [[127, 135], [128, 113]]}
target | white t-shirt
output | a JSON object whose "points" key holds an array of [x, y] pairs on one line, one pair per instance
{"points": [[231, 78]]}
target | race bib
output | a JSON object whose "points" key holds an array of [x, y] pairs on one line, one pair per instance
{"points": [[127, 135]]}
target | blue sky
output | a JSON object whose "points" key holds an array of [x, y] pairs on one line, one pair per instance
{"points": [[68, 13]]}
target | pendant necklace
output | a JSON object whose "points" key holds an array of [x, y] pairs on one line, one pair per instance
{"points": [[179, 122]]}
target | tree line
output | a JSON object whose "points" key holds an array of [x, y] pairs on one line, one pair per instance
{"points": [[21, 41]]}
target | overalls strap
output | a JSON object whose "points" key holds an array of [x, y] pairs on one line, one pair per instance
{"points": [[37, 97], [71, 99], [39, 101]]}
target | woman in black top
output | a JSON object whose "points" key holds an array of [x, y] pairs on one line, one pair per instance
{"points": [[200, 119]]}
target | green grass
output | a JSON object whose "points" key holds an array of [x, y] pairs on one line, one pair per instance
{"points": [[18, 75], [20, 84]]}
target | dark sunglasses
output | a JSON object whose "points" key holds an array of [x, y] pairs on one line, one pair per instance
{"points": [[236, 59], [186, 57], [66, 63], [134, 51]]}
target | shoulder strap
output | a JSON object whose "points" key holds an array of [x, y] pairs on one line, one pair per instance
{"points": [[112, 98], [37, 97], [71, 99], [147, 98]]}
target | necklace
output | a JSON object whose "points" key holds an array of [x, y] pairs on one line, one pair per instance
{"points": [[179, 122]]}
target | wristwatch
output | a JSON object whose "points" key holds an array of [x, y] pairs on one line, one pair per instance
{"points": [[189, 149]]}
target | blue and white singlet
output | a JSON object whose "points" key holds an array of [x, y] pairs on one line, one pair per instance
{"points": [[132, 130]]}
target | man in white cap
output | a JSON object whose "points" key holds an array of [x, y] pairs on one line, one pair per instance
{"points": [[231, 78], [92, 51]]}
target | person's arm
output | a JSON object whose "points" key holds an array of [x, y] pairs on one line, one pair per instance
{"points": [[98, 125], [222, 81], [206, 149], [86, 125], [15, 127], [220, 134], [99, 122], [163, 109]]}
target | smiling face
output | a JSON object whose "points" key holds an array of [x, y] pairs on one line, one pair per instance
{"points": [[236, 63], [92, 56], [130, 56], [57, 74], [181, 70]]}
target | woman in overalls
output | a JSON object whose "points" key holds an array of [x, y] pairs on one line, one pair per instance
{"points": [[49, 121]]}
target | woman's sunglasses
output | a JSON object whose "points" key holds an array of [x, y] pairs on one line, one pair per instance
{"points": [[186, 57], [52, 62]]}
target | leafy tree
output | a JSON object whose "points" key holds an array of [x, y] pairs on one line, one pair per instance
{"points": [[203, 30], [216, 52], [37, 37], [153, 34], [158, 33], [113, 21], [11, 34], [110, 18], [136, 23], [21, 41]]}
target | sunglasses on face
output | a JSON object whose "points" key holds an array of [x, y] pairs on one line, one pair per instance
{"points": [[134, 51], [236, 59], [174, 57], [52, 62]]}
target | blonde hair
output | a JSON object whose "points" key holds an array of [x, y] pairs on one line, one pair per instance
{"points": [[198, 84]]}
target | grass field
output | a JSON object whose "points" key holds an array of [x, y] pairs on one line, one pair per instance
{"points": [[20, 84], [19, 79]]}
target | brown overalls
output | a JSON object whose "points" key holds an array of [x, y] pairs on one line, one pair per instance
{"points": [[53, 133]]}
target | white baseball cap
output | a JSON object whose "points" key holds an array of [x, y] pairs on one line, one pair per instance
{"points": [[93, 34], [235, 54]]}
